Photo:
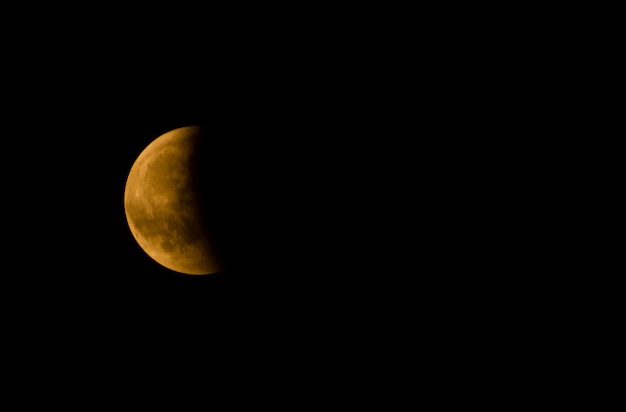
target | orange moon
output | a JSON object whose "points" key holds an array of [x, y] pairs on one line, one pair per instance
{"points": [[164, 207]]}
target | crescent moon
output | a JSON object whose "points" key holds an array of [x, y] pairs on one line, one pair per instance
{"points": [[164, 208]]}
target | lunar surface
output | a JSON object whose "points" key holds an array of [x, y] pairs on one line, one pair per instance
{"points": [[164, 207]]}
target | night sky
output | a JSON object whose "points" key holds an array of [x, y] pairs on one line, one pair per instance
{"points": [[359, 170], [271, 183], [301, 186]]}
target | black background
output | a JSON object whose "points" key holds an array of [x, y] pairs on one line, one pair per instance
{"points": [[295, 177], [369, 172], [343, 170]]}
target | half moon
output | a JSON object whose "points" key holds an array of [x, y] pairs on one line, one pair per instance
{"points": [[164, 207]]}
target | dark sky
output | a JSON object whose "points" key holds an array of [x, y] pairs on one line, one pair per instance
{"points": [[355, 184], [75, 142], [299, 130]]}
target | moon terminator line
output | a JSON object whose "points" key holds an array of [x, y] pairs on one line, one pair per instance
{"points": [[163, 205]]}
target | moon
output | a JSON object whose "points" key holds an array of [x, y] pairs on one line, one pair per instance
{"points": [[164, 205]]}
